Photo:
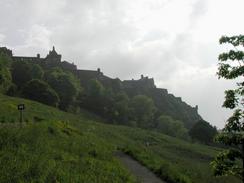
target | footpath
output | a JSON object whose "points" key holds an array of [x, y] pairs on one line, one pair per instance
{"points": [[141, 172]]}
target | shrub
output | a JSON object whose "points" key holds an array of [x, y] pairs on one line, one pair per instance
{"points": [[202, 131], [2, 119], [40, 91]]}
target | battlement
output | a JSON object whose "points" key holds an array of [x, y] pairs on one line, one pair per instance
{"points": [[143, 82], [28, 59]]}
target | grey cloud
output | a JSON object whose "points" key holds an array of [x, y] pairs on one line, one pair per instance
{"points": [[199, 8]]}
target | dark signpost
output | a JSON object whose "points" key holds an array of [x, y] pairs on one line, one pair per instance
{"points": [[21, 108]]}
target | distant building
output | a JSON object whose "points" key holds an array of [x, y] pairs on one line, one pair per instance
{"points": [[53, 59], [166, 103], [144, 82]]}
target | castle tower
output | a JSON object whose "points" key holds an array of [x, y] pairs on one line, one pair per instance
{"points": [[53, 58], [196, 107]]}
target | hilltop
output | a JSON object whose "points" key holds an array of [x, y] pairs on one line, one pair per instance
{"points": [[166, 103]]}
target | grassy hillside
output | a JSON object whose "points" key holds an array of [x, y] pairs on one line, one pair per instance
{"points": [[54, 146]]}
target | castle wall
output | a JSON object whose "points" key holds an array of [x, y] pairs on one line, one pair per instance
{"points": [[68, 66], [141, 83], [28, 59]]}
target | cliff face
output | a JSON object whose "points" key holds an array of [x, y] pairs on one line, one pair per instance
{"points": [[166, 103], [173, 106]]}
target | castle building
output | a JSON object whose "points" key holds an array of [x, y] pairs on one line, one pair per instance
{"points": [[53, 59], [143, 82], [167, 103]]}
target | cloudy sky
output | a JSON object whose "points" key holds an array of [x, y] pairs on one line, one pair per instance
{"points": [[173, 41]]}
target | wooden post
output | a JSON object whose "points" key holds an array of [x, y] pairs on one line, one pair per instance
{"points": [[21, 116], [21, 108]]}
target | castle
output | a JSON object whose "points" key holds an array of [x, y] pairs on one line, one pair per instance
{"points": [[53, 59], [167, 103]]}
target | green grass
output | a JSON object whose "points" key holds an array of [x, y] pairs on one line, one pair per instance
{"points": [[54, 146]]}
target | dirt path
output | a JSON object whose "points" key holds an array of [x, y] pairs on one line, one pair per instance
{"points": [[142, 173]]}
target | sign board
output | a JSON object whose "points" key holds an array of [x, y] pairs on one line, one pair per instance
{"points": [[21, 107]]}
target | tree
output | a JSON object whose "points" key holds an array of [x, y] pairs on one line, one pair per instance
{"points": [[93, 96], [143, 109], [202, 131], [108, 108], [231, 66], [5, 75], [5, 80], [40, 91], [121, 106], [65, 84], [36, 71], [21, 73], [169, 126]]}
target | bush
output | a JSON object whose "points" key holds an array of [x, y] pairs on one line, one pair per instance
{"points": [[21, 73], [12, 90], [143, 109], [5, 75], [40, 91], [202, 131], [2, 119], [169, 126], [65, 84]]}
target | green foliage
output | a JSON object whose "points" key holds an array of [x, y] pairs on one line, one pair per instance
{"points": [[21, 73], [40, 91], [95, 88], [143, 109], [108, 103], [169, 126], [224, 163], [5, 75], [12, 90], [65, 84], [5, 60], [231, 66], [93, 99], [5, 79], [37, 72], [203, 132], [121, 107]]}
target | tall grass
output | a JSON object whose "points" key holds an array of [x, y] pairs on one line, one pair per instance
{"points": [[54, 146]]}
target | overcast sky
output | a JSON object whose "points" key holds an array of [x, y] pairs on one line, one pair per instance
{"points": [[173, 41]]}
